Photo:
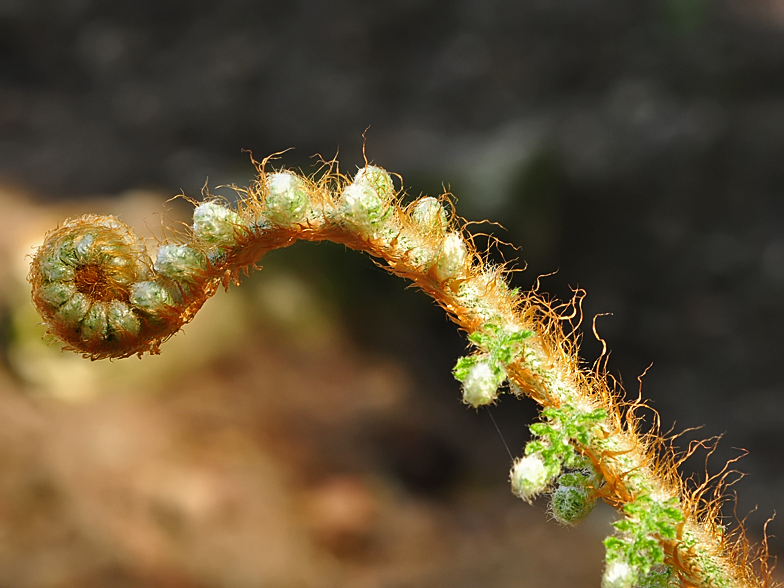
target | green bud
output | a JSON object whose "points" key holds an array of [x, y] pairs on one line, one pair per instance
{"points": [[65, 252], [121, 320], [569, 505], [83, 247], [75, 309], [126, 270], [287, 201], [95, 323], [179, 262], [56, 294], [362, 206], [55, 270], [150, 297], [216, 224]]}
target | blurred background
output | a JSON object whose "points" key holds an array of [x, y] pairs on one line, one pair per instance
{"points": [[305, 430]]}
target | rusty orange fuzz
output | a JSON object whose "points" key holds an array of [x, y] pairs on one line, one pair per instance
{"points": [[102, 295], [98, 291]]}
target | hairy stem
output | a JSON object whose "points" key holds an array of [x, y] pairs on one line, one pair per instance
{"points": [[102, 295]]}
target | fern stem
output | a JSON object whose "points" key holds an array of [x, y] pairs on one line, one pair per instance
{"points": [[100, 293]]}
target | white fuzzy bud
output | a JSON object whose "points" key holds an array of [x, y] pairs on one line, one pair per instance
{"points": [[529, 477], [480, 386], [216, 224], [618, 574], [362, 206], [377, 179], [451, 260], [429, 216], [287, 202], [422, 244]]}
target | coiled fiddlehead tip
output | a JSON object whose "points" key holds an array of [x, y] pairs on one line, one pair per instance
{"points": [[96, 288]]}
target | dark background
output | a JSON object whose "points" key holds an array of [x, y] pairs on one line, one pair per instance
{"points": [[634, 148]]}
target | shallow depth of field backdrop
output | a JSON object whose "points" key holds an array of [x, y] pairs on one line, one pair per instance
{"points": [[305, 430]]}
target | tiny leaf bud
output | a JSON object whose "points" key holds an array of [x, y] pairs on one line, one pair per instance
{"points": [[178, 262], [287, 201], [56, 294], [122, 321], [480, 385], [54, 269], [83, 245], [362, 206], [430, 216], [94, 324], [619, 574], [74, 309], [529, 477], [569, 505], [216, 224], [151, 297], [451, 261], [377, 179]]}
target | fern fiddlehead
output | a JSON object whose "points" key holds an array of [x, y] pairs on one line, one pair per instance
{"points": [[102, 295]]}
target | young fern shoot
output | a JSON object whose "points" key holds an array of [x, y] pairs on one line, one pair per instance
{"points": [[100, 293]]}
